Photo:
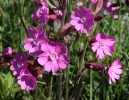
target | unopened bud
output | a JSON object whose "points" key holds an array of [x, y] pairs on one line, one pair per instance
{"points": [[95, 66], [66, 29]]}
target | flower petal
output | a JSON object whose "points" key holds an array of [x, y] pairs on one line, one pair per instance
{"points": [[118, 71], [78, 27], [47, 66], [58, 47], [28, 40], [61, 63], [95, 47], [28, 46], [64, 58], [117, 64], [106, 52], [100, 53], [54, 66], [63, 51], [42, 60]]}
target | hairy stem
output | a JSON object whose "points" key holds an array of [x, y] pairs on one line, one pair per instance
{"points": [[75, 87], [64, 13], [83, 55], [91, 84], [67, 69], [60, 87], [36, 93], [50, 91], [80, 91]]}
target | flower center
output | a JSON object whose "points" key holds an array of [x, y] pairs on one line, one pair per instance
{"points": [[83, 20], [27, 78], [53, 56], [19, 64], [101, 44], [36, 42]]}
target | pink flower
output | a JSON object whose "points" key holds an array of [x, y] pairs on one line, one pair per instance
{"points": [[111, 9], [18, 63], [93, 2], [82, 19], [59, 14], [114, 71], [41, 15], [26, 80], [33, 44], [53, 56], [104, 45]]}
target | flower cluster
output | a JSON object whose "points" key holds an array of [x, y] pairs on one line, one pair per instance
{"points": [[19, 67], [110, 8], [104, 45], [47, 54], [51, 55]]}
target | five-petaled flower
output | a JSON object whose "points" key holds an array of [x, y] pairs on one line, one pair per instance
{"points": [[112, 9], [33, 44], [104, 45], [114, 71], [18, 63], [41, 15], [82, 19], [53, 56], [26, 80]]}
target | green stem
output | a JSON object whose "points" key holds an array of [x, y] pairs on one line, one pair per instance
{"points": [[91, 84], [118, 25], [36, 93], [50, 89], [83, 55], [59, 87]]}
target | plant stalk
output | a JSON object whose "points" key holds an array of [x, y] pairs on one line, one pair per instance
{"points": [[59, 87], [19, 14]]}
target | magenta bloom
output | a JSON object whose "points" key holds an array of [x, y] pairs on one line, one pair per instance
{"points": [[18, 63], [7, 51], [53, 56], [33, 44], [114, 71], [104, 45], [82, 19], [59, 14], [26, 80], [111, 9], [41, 15], [93, 2]]}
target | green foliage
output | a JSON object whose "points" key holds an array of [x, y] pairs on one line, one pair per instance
{"points": [[8, 87]]}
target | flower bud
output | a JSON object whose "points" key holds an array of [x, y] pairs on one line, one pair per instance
{"points": [[66, 29], [35, 72], [95, 66]]}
